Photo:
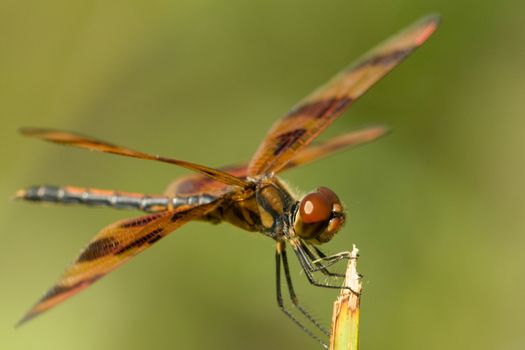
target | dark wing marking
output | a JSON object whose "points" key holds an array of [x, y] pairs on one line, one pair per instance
{"points": [[80, 141], [318, 110], [111, 247]]}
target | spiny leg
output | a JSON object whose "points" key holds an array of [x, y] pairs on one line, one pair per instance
{"points": [[310, 266], [293, 296], [279, 254], [331, 259], [316, 260]]}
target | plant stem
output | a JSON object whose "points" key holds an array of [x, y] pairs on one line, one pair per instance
{"points": [[345, 317]]}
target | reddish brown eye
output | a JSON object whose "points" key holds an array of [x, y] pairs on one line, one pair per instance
{"points": [[320, 216], [329, 195], [315, 207]]}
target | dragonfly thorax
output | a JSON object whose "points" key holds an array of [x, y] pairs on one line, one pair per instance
{"points": [[319, 216]]}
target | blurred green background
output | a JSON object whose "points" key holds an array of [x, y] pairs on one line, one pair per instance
{"points": [[437, 208]]}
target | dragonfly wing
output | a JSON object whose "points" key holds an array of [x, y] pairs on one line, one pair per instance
{"points": [[317, 111], [199, 184], [111, 247], [324, 149], [86, 142]]}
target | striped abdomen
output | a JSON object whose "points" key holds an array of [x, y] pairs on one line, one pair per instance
{"points": [[107, 198]]}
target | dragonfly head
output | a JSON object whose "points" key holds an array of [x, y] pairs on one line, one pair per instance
{"points": [[319, 217]]}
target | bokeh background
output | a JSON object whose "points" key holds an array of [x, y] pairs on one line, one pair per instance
{"points": [[437, 207]]}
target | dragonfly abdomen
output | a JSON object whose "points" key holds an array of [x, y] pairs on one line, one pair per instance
{"points": [[107, 198]]}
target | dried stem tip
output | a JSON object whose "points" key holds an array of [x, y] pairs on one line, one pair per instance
{"points": [[345, 317]]}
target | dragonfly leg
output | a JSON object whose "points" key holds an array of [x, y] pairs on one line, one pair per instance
{"points": [[317, 258], [310, 266], [280, 256]]}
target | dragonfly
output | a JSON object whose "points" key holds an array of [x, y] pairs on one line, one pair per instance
{"points": [[250, 195]]}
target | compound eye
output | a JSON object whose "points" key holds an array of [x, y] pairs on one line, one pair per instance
{"points": [[315, 207], [330, 195]]}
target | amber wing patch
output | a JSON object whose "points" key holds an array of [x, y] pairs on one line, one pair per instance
{"points": [[111, 247], [317, 111], [81, 141]]}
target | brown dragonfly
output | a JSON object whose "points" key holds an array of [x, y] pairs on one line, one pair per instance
{"points": [[249, 196]]}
